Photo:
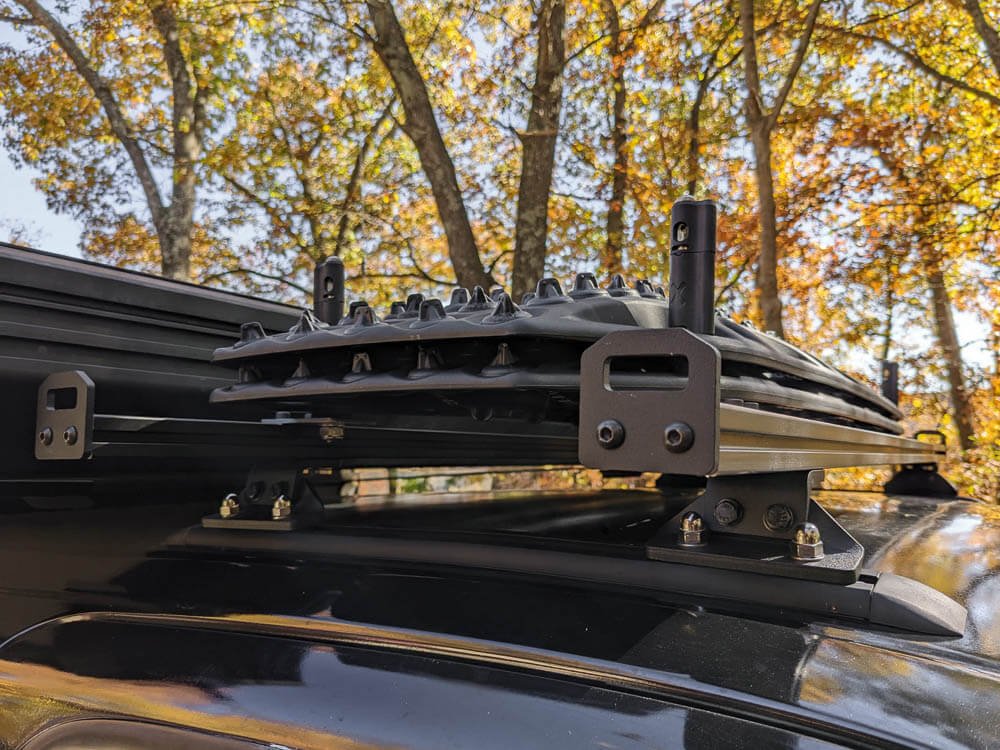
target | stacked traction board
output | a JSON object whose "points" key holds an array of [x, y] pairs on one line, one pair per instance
{"points": [[451, 354]]}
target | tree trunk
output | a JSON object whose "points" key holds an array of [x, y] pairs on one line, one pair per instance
{"points": [[422, 128], [944, 328], [767, 262], [761, 124], [989, 35], [174, 222], [611, 257], [187, 124], [889, 303], [758, 122], [538, 149]]}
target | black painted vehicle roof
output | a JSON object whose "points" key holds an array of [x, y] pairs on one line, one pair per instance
{"points": [[113, 613]]}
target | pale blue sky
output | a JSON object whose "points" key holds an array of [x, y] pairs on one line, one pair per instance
{"points": [[23, 205]]}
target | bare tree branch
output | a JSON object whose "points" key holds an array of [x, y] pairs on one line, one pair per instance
{"points": [[800, 55], [989, 35], [918, 62]]}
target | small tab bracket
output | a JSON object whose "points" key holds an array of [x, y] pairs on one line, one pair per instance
{"points": [[64, 417]]}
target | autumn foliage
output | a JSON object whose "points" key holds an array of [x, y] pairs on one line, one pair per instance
{"points": [[854, 149]]}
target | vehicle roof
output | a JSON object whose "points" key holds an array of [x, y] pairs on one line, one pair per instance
{"points": [[115, 611]]}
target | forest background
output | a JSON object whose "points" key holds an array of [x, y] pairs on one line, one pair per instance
{"points": [[853, 147]]}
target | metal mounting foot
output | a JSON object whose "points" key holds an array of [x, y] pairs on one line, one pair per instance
{"points": [[764, 523]]}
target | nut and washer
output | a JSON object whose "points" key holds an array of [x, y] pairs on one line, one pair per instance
{"points": [[728, 512], [230, 507], [281, 509], [779, 517], [693, 531], [610, 434], [806, 544], [678, 437]]}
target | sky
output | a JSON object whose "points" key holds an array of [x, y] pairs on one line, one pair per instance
{"points": [[24, 206]]}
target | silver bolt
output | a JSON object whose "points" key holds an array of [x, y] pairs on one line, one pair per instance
{"points": [[230, 507], [45, 436], [70, 435], [281, 509], [806, 544], [693, 531]]}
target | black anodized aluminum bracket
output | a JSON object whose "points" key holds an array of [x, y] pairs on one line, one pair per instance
{"points": [[634, 428]]}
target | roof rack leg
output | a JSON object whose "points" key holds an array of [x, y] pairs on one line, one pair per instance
{"points": [[921, 478], [276, 500], [765, 523]]}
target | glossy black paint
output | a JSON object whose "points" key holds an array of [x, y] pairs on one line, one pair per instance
{"points": [[313, 653]]}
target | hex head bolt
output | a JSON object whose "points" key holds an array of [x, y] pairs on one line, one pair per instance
{"points": [[779, 517], [728, 512]]}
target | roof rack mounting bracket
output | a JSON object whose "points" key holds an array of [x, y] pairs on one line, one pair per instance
{"points": [[765, 523], [649, 400], [281, 500]]}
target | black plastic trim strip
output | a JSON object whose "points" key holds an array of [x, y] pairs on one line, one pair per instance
{"points": [[884, 600]]}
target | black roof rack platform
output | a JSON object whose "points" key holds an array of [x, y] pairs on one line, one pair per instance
{"points": [[618, 378]]}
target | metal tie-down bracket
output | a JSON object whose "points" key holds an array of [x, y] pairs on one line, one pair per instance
{"points": [[649, 400]]}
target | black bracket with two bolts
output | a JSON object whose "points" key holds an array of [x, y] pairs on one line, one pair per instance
{"points": [[758, 522], [763, 522]]}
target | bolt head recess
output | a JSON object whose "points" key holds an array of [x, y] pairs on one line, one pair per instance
{"points": [[610, 433], [678, 437]]}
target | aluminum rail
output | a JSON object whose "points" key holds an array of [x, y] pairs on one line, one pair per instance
{"points": [[752, 441]]}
